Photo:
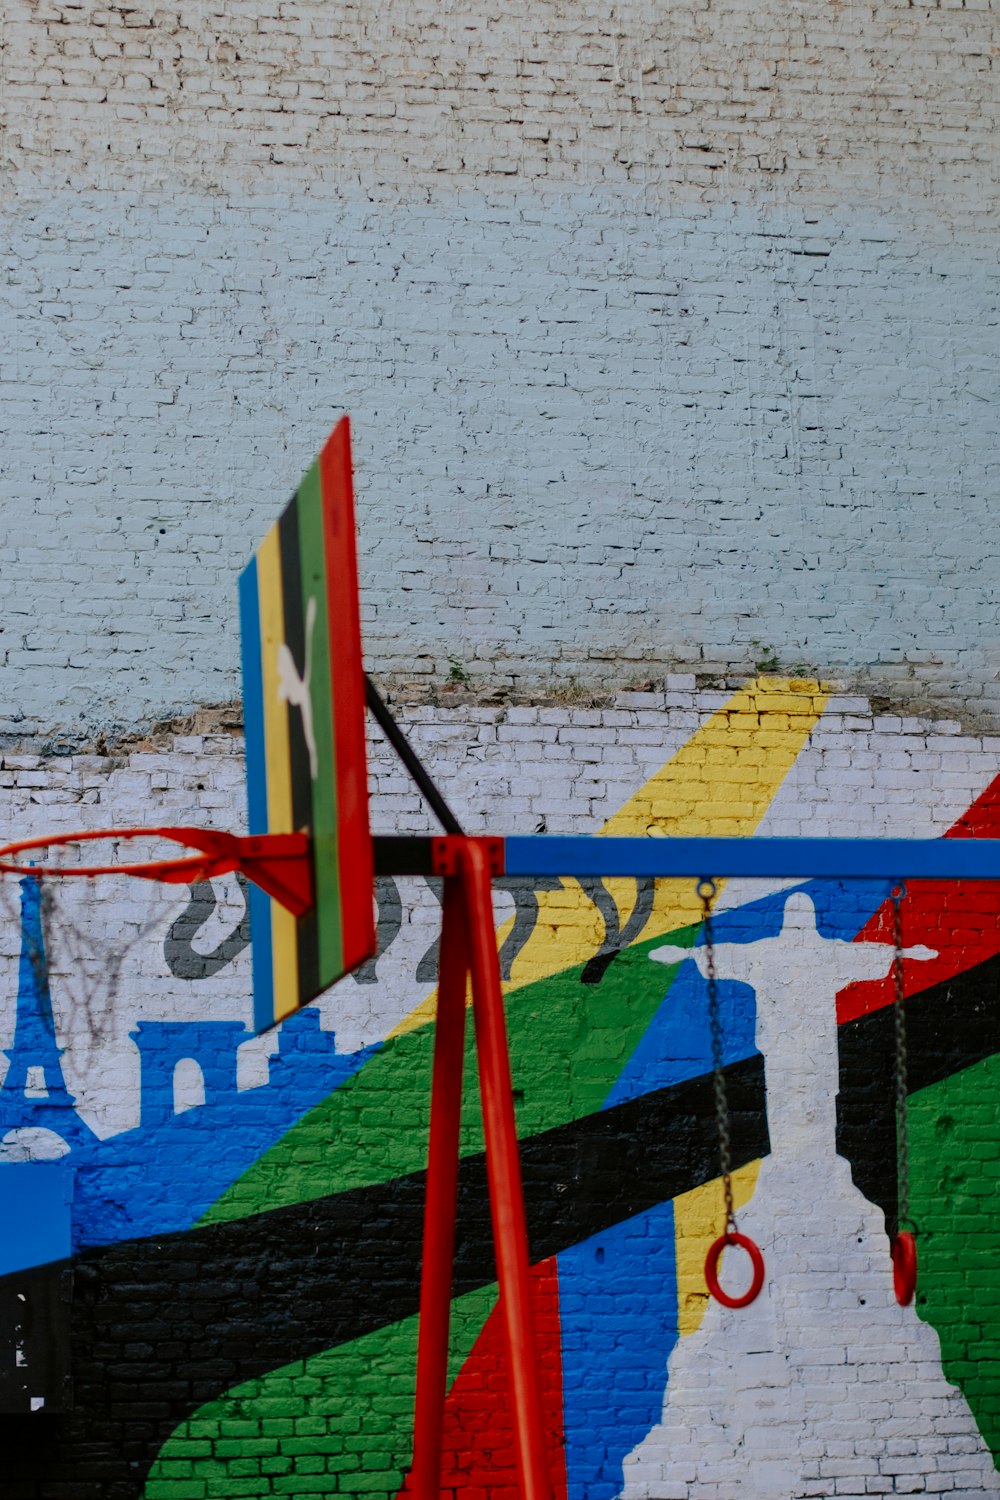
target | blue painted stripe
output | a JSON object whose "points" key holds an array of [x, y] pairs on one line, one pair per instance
{"points": [[677, 1044], [253, 699], [838, 859], [618, 1318], [262, 957], [256, 764]]}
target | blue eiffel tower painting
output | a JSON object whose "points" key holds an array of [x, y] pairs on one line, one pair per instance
{"points": [[34, 1093]]}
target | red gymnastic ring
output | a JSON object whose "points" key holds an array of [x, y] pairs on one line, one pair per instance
{"points": [[904, 1267], [731, 1237]]}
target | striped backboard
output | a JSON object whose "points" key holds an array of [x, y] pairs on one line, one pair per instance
{"points": [[304, 705]]}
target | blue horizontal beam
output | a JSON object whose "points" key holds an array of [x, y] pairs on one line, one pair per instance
{"points": [[839, 859]]}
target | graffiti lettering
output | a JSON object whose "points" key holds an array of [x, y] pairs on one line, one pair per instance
{"points": [[616, 937], [388, 922], [182, 959], [427, 968], [185, 962], [524, 889]]}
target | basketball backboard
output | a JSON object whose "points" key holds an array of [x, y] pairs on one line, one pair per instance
{"points": [[304, 705]]}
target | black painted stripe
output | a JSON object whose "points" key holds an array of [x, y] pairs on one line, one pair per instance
{"points": [[255, 1294], [949, 1027], [229, 1302], [302, 799]]}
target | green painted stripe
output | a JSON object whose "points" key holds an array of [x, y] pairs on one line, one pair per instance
{"points": [[568, 1044], [337, 1423], [312, 555], [954, 1134]]}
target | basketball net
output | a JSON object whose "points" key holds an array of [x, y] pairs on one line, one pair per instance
{"points": [[83, 938]]}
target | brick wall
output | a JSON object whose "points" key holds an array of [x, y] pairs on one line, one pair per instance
{"points": [[670, 340], [246, 1231], [669, 336], [835, 104]]}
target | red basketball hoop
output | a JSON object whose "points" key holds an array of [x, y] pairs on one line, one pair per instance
{"points": [[278, 862]]}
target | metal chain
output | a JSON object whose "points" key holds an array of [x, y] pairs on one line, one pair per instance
{"points": [[706, 894], [899, 1016]]}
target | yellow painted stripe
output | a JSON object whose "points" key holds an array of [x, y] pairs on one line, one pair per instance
{"points": [[720, 783], [699, 1219], [284, 934]]}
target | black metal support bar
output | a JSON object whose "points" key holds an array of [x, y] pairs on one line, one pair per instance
{"points": [[418, 771], [403, 854]]}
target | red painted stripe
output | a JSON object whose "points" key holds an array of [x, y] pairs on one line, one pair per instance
{"points": [[347, 672], [959, 918], [479, 1457]]}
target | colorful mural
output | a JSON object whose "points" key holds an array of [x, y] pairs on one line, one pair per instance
{"points": [[243, 1321]]}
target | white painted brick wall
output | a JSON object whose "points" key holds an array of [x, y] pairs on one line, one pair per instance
{"points": [[671, 339]]}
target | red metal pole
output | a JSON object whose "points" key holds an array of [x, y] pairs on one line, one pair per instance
{"points": [[440, 1202], [510, 1234]]}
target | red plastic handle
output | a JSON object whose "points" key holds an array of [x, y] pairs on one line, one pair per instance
{"points": [[904, 1267], [732, 1237]]}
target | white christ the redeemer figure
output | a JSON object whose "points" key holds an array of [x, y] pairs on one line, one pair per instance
{"points": [[796, 976], [824, 1385]]}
